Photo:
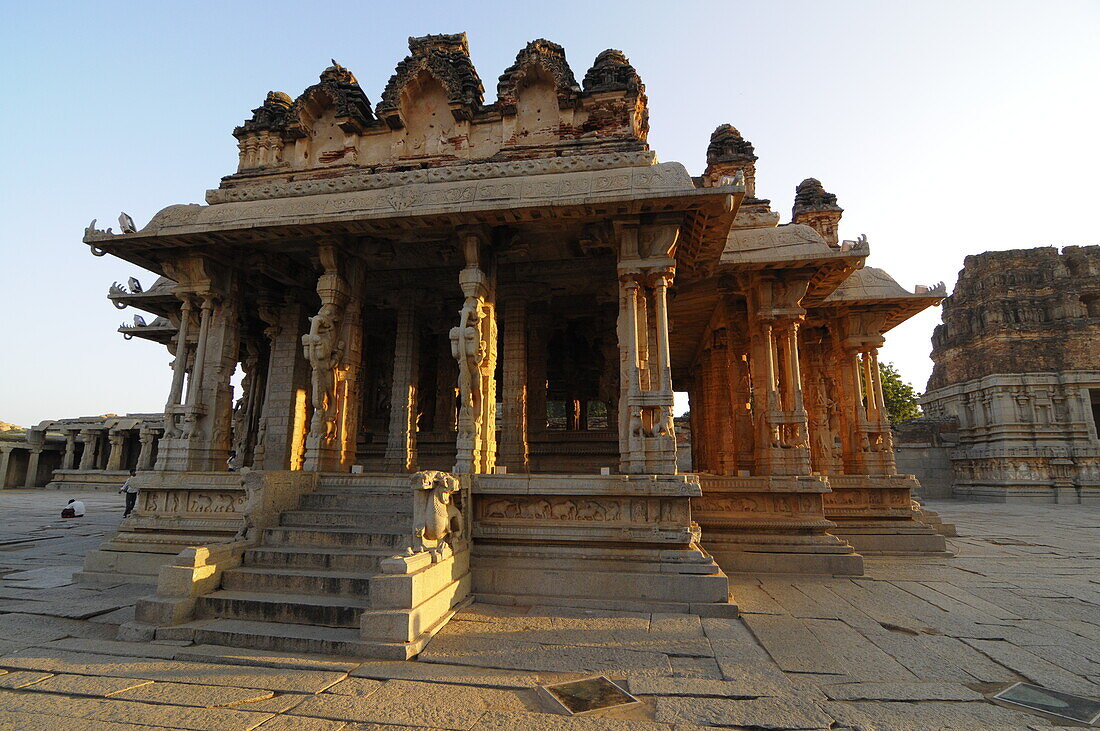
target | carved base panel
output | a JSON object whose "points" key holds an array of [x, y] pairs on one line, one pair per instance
{"points": [[609, 541], [771, 525], [875, 514], [176, 510], [870, 497]]}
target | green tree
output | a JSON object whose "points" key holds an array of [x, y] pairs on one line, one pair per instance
{"points": [[900, 397]]}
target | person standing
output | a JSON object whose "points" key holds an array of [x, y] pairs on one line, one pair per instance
{"points": [[131, 493]]}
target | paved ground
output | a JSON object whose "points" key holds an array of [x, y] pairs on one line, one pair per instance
{"points": [[912, 645]]}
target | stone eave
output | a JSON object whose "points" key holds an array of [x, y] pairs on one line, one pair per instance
{"points": [[899, 309], [154, 302], [793, 246], [664, 188], [162, 334]]}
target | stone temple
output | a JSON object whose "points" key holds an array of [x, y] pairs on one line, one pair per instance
{"points": [[1017, 378], [461, 325]]}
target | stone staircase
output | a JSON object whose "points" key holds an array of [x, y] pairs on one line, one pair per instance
{"points": [[305, 587]]}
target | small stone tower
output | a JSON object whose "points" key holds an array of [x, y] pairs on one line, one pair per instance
{"points": [[727, 153], [817, 208]]}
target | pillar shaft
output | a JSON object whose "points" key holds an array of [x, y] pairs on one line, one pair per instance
{"points": [[179, 364], [117, 440], [280, 439], [474, 345], [513, 432], [88, 456], [32, 468], [68, 462], [401, 445]]}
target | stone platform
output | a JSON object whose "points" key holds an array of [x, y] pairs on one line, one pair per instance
{"points": [[913, 644]]}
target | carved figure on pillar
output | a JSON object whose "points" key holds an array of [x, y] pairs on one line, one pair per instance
{"points": [[323, 349]]}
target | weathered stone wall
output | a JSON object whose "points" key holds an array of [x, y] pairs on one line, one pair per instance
{"points": [[923, 448]]}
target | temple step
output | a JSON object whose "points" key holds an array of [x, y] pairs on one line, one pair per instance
{"points": [[304, 557], [296, 581], [296, 638], [334, 538], [325, 610], [374, 521]]}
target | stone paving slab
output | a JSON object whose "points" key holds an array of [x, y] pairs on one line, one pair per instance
{"points": [[22, 678], [900, 692], [764, 713], [83, 685], [118, 711], [911, 645], [692, 687], [416, 704], [60, 661], [511, 720], [933, 715], [441, 673], [200, 696]]}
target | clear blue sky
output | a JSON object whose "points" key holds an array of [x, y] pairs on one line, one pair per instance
{"points": [[945, 128]]}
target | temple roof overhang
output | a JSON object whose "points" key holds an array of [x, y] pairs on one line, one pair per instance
{"points": [[532, 193], [159, 330], [159, 299], [794, 246], [124, 422], [872, 289]]}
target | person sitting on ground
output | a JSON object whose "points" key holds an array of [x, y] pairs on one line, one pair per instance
{"points": [[75, 509], [131, 493], [232, 463]]}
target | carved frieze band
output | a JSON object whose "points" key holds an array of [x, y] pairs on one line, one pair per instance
{"points": [[454, 173], [616, 510]]}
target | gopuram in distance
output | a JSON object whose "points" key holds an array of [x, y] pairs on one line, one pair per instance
{"points": [[461, 326]]}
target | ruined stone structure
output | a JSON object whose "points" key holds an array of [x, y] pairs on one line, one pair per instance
{"points": [[1018, 365], [84, 453], [461, 325]]}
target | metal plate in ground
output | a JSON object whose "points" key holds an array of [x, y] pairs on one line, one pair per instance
{"points": [[587, 695], [1051, 702]]}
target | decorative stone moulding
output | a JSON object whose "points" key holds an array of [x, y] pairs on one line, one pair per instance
{"points": [[772, 525], [451, 173]]}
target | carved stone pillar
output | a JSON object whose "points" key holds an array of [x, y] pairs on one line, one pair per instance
{"points": [[401, 445], [117, 440], [147, 437], [881, 461], [5, 465], [446, 381], [513, 431], [281, 432], [33, 459], [333, 347], [647, 435], [199, 432], [778, 412], [88, 456], [474, 345], [821, 393], [716, 422], [68, 462], [179, 367], [537, 358]]}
